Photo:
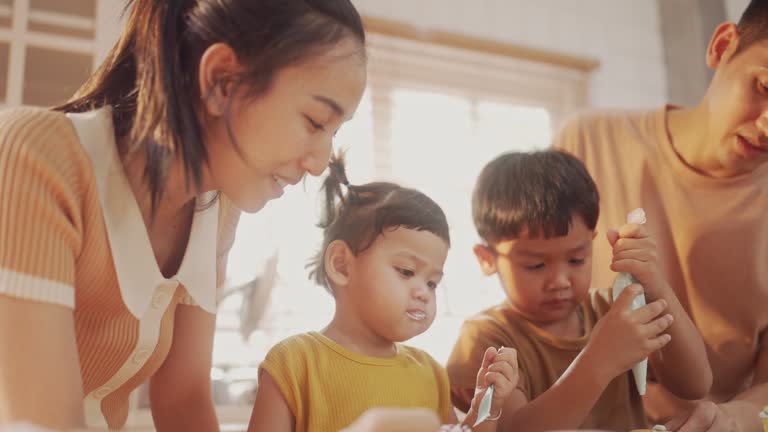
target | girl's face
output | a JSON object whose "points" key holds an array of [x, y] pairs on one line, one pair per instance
{"points": [[392, 283], [286, 132]]}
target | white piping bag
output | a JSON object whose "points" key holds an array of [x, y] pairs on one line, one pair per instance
{"points": [[484, 410], [623, 280]]}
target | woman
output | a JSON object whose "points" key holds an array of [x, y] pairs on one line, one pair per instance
{"points": [[117, 209]]}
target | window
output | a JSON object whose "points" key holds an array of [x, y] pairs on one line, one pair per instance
{"points": [[43, 89], [6, 14], [69, 18], [41, 36], [432, 116], [4, 58]]}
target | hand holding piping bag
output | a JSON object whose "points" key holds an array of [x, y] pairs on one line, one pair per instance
{"points": [[496, 380], [623, 280]]}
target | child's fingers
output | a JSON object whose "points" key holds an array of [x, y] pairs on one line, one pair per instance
{"points": [[506, 369], [506, 354], [494, 377], [503, 385], [643, 255], [488, 357], [657, 326], [633, 231], [627, 243], [612, 235], [659, 342], [632, 266], [648, 312]]}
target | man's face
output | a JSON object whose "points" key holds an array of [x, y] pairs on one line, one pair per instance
{"points": [[737, 102]]}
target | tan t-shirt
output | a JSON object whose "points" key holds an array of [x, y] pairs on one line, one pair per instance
{"points": [[712, 234], [542, 359]]}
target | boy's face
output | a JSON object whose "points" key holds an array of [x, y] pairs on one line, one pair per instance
{"points": [[737, 102], [544, 279], [393, 283]]}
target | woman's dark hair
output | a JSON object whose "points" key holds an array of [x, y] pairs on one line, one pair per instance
{"points": [[150, 77], [365, 211], [538, 192]]}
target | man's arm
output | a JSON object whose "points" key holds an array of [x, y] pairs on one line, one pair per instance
{"points": [[738, 415]]}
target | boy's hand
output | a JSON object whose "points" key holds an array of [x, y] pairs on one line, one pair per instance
{"points": [[634, 251], [623, 337], [500, 369]]}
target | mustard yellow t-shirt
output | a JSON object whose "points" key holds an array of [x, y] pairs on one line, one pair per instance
{"points": [[327, 386]]}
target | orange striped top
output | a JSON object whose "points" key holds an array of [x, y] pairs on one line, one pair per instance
{"points": [[71, 234]]}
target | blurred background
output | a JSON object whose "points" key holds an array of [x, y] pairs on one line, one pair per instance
{"points": [[451, 84]]}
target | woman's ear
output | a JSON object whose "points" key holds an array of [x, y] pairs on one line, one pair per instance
{"points": [[338, 260], [218, 65], [486, 258]]}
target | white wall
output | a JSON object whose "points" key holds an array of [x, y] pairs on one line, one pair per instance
{"points": [[734, 8], [624, 35], [109, 22]]}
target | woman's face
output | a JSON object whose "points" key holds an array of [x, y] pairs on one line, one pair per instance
{"points": [[286, 132]]}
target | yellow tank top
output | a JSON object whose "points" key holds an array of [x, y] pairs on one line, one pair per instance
{"points": [[328, 386]]}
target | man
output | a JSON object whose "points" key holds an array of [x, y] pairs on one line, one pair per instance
{"points": [[701, 175]]}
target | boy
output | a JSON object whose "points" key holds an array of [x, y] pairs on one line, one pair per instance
{"points": [[536, 215]]}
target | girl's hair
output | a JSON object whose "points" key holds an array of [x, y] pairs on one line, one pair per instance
{"points": [[150, 77], [366, 211]]}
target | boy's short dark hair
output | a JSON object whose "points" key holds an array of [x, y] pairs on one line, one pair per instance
{"points": [[753, 24], [538, 192]]}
